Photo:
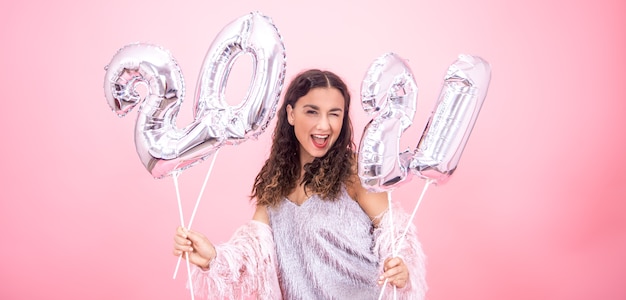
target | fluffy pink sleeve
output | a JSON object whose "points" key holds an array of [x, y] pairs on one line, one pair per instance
{"points": [[390, 227], [245, 265]]}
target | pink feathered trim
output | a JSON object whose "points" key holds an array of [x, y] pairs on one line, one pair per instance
{"points": [[410, 251], [245, 265]]}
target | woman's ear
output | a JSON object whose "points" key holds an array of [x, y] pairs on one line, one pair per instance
{"points": [[290, 114]]}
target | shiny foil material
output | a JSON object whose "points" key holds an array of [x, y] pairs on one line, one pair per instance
{"points": [[389, 94], [452, 120], [165, 148]]}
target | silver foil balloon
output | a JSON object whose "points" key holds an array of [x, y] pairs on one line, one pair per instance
{"points": [[452, 120], [389, 93], [163, 147]]}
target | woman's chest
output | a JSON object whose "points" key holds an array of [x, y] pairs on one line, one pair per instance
{"points": [[317, 219]]}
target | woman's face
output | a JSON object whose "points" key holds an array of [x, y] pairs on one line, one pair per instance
{"points": [[317, 118]]}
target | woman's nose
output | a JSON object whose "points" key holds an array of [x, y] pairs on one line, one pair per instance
{"points": [[324, 123]]}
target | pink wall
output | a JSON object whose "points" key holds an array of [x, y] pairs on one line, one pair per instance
{"points": [[535, 210]]}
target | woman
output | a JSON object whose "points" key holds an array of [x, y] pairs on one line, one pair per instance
{"points": [[316, 232]]}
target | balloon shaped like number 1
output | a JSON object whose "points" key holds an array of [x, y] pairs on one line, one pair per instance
{"points": [[164, 148], [451, 122]]}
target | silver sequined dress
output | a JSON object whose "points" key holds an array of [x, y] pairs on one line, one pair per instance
{"points": [[324, 249]]}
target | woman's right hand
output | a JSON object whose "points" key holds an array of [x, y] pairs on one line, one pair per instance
{"points": [[201, 251]]}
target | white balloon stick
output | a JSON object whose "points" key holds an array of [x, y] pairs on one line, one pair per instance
{"points": [[394, 249], [206, 178], [401, 239], [182, 222]]}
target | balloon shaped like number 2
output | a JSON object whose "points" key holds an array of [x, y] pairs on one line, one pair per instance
{"points": [[164, 148], [389, 92]]}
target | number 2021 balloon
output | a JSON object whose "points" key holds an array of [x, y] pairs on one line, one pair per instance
{"points": [[163, 147], [389, 92]]}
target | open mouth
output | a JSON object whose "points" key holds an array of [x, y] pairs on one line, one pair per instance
{"points": [[319, 140]]}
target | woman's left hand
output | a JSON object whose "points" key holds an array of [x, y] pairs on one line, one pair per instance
{"points": [[395, 272]]}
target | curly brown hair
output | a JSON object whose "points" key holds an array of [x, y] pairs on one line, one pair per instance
{"points": [[324, 175]]}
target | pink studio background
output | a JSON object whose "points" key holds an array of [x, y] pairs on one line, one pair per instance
{"points": [[535, 210]]}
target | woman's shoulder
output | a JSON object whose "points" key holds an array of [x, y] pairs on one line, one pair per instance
{"points": [[372, 203], [261, 214], [353, 186]]}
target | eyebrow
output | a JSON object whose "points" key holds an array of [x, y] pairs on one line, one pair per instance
{"points": [[317, 107]]}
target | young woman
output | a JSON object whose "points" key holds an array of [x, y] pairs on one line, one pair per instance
{"points": [[316, 232]]}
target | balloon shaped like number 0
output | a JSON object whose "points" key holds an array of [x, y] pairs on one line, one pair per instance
{"points": [[389, 92], [163, 147]]}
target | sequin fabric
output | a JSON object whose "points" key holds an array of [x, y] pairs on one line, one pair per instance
{"points": [[324, 249]]}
